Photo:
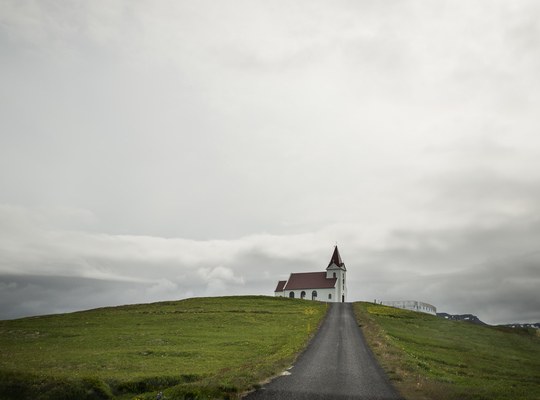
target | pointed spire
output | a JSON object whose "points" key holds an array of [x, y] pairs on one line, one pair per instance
{"points": [[336, 259]]}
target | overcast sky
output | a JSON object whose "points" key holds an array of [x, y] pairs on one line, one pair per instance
{"points": [[162, 150]]}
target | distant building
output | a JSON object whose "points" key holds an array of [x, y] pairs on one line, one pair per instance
{"points": [[328, 286], [412, 305]]}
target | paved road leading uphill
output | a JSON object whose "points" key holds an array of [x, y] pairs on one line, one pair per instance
{"points": [[336, 365]]}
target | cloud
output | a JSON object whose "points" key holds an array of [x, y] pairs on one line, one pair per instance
{"points": [[175, 149], [26, 295], [164, 286], [489, 271], [219, 280], [486, 270]]}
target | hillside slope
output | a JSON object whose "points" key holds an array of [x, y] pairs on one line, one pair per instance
{"points": [[432, 358], [195, 348]]}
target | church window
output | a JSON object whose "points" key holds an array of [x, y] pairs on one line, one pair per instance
{"points": [[334, 274], [314, 295], [291, 295], [329, 296], [303, 295]]}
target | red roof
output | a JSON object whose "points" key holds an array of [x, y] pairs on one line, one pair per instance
{"points": [[336, 259], [310, 280], [280, 286]]}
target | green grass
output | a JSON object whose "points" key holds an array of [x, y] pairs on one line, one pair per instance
{"points": [[428, 357], [195, 348]]}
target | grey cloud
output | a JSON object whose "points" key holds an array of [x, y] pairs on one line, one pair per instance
{"points": [[179, 151], [490, 272], [487, 271], [27, 295]]}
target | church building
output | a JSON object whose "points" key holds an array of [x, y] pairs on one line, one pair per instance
{"points": [[329, 286]]}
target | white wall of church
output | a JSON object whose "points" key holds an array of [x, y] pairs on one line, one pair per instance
{"points": [[326, 295], [341, 284]]}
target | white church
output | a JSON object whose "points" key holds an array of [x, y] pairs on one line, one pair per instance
{"points": [[329, 286]]}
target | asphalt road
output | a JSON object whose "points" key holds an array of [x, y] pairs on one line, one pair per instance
{"points": [[336, 365]]}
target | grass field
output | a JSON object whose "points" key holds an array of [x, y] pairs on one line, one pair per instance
{"points": [[196, 348], [428, 357]]}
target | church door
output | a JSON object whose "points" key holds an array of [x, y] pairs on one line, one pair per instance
{"points": [[314, 295]]}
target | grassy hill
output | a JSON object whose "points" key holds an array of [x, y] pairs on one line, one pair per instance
{"points": [[196, 348], [220, 347], [428, 357]]}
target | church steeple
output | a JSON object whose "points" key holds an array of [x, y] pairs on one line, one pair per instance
{"points": [[336, 259]]}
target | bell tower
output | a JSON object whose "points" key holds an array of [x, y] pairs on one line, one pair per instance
{"points": [[336, 269]]}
